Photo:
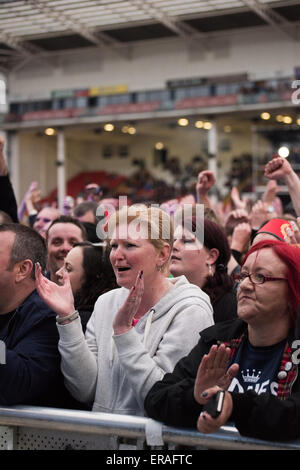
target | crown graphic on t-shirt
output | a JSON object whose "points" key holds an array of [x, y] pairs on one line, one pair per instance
{"points": [[251, 378]]}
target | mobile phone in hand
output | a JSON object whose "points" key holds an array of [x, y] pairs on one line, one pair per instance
{"points": [[215, 405]]}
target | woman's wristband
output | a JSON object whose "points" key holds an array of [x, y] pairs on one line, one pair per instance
{"points": [[68, 318]]}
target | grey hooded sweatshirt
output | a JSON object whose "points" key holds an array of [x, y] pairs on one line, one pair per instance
{"points": [[115, 372]]}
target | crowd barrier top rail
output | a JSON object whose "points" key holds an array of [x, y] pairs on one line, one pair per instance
{"points": [[105, 424]]}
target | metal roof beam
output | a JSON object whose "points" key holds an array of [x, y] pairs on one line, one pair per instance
{"points": [[188, 33], [18, 50], [20, 46], [97, 38], [273, 18]]}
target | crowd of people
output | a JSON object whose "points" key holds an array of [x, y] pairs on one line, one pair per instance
{"points": [[144, 310]]}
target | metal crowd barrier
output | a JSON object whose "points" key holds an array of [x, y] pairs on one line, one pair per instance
{"points": [[38, 428]]}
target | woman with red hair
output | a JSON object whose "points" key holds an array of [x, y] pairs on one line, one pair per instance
{"points": [[290, 255], [253, 359]]}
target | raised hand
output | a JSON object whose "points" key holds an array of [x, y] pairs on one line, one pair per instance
{"points": [[125, 315], [293, 235], [237, 201], [270, 192], [206, 179], [237, 215], [259, 214], [206, 424], [241, 237], [59, 298], [213, 371], [278, 168]]}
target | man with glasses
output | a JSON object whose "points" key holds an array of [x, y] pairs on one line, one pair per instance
{"points": [[253, 358]]}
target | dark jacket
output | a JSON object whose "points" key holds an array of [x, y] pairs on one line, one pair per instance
{"points": [[264, 416], [225, 308], [31, 374], [8, 202]]}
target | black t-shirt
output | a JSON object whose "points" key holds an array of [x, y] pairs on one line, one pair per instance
{"points": [[259, 367]]}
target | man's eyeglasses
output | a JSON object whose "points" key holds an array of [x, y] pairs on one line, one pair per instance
{"points": [[256, 278]]}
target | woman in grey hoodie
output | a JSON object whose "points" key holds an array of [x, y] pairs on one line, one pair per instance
{"points": [[137, 332]]}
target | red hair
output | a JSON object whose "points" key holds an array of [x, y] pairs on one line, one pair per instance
{"points": [[290, 256]]}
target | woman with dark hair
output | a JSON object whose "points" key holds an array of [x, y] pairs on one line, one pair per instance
{"points": [[90, 274], [204, 262]]}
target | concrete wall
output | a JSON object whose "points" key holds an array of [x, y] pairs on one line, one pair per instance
{"points": [[261, 52]]}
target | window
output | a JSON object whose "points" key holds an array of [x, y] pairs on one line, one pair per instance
{"points": [[69, 103], [93, 101], [81, 102], [58, 103], [41, 105], [15, 108]]}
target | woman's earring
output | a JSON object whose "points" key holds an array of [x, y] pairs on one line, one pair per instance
{"points": [[159, 268], [210, 271]]}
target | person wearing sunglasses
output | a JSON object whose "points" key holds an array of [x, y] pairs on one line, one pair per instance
{"points": [[254, 358]]}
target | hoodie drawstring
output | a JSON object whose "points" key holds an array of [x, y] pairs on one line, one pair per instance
{"points": [[148, 325], [111, 352]]}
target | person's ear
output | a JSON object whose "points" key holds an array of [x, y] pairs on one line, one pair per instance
{"points": [[164, 255], [213, 255], [23, 270]]}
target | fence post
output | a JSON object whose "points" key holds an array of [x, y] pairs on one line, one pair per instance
{"points": [[8, 438]]}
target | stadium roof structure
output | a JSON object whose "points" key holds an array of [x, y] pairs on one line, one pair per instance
{"points": [[33, 28]]}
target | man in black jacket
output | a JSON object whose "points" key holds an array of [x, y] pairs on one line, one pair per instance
{"points": [[254, 358], [30, 362]]}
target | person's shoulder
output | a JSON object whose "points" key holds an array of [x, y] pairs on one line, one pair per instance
{"points": [[182, 285], [34, 313], [36, 305], [113, 296], [185, 290], [228, 296], [224, 330], [225, 308]]}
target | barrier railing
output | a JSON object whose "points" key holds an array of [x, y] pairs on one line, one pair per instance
{"points": [[85, 430]]}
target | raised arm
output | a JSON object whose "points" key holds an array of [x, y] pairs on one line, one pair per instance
{"points": [[8, 202], [79, 364], [280, 169], [31, 196], [3, 166], [206, 180], [59, 298]]}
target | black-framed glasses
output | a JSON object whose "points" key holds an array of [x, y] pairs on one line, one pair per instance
{"points": [[256, 278]]}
